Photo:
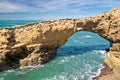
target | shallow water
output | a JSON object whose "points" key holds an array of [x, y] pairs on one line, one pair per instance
{"points": [[10, 23], [79, 59]]}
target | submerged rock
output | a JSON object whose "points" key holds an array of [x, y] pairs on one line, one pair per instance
{"points": [[36, 43]]}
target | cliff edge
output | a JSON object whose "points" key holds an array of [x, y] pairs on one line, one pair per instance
{"points": [[36, 43]]}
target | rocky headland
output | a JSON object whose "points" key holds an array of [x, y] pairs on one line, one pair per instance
{"points": [[36, 43]]}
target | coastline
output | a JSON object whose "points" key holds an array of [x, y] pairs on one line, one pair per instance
{"points": [[99, 71], [103, 71]]}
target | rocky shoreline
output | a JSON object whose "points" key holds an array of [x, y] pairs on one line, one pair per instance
{"points": [[104, 71], [36, 43]]}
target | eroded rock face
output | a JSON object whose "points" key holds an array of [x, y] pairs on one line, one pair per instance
{"points": [[36, 43]]}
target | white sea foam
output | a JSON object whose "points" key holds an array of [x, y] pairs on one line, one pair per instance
{"points": [[88, 36], [72, 56], [99, 51], [77, 41], [77, 74], [21, 70], [63, 60], [31, 66], [9, 71], [102, 51], [97, 73], [17, 25], [1, 78], [60, 77]]}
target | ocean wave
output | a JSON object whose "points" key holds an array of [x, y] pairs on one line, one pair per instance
{"points": [[60, 77], [97, 73], [21, 70], [88, 36], [16, 25], [77, 41], [99, 51], [9, 71], [78, 73], [1, 78], [102, 51], [63, 60], [31, 66], [26, 69], [10, 26]]}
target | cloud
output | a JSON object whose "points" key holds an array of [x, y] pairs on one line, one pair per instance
{"points": [[57, 4], [54, 5], [6, 6], [60, 4]]}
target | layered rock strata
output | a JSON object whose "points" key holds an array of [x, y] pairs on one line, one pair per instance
{"points": [[37, 43]]}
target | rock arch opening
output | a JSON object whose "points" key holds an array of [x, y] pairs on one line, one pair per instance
{"points": [[83, 54], [87, 39]]}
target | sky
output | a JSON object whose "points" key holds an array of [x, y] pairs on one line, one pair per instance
{"points": [[53, 9]]}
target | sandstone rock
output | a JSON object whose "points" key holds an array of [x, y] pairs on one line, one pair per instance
{"points": [[36, 43]]}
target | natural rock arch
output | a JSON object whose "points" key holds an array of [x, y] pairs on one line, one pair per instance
{"points": [[36, 43]]}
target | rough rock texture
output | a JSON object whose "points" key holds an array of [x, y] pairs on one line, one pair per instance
{"points": [[36, 43]]}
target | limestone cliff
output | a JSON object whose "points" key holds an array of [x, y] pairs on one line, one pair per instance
{"points": [[36, 43]]}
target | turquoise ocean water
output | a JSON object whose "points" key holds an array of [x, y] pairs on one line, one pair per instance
{"points": [[10, 23], [80, 58]]}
